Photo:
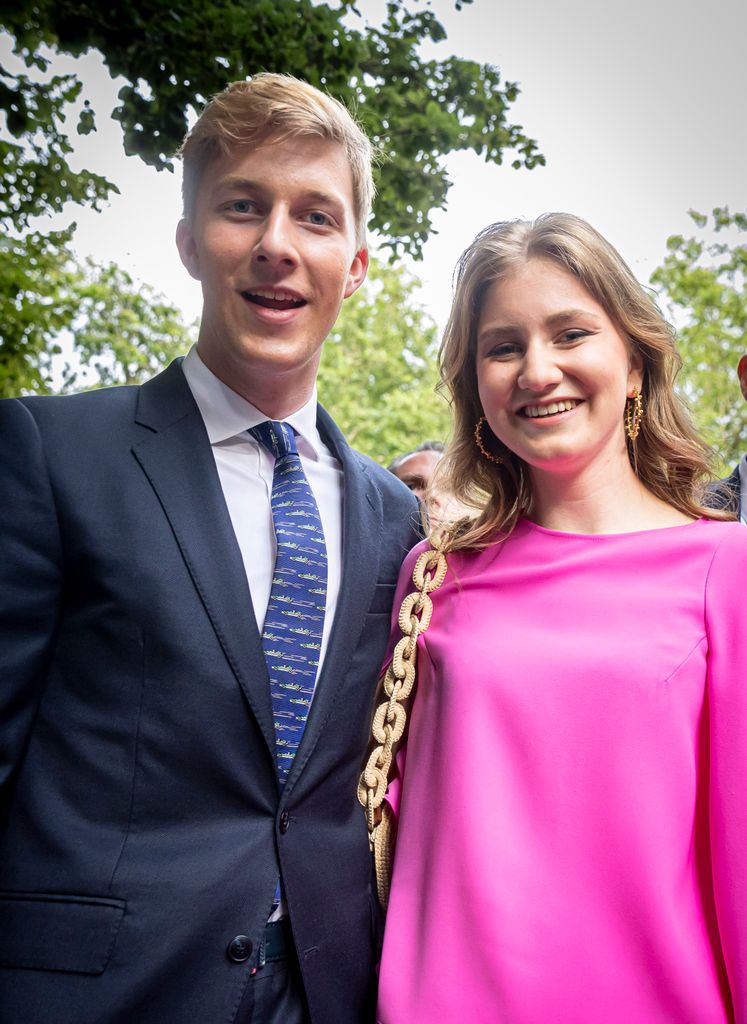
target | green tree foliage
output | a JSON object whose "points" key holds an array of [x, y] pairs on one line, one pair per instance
{"points": [[37, 179], [37, 274], [174, 54], [378, 369], [37, 302], [123, 332], [703, 284]]}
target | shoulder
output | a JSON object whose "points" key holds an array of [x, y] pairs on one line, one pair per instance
{"points": [[45, 409], [727, 565], [69, 430], [413, 555], [390, 486], [400, 511], [725, 534], [724, 604], [395, 495], [728, 540]]}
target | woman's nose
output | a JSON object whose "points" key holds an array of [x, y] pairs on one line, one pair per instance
{"points": [[539, 370]]}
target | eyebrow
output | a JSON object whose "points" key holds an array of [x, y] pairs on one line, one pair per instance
{"points": [[568, 315], [237, 182], [240, 184], [565, 316]]}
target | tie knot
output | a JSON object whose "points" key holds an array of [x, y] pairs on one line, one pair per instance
{"points": [[277, 437]]}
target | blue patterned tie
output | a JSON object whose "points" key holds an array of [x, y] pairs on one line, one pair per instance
{"points": [[292, 634]]}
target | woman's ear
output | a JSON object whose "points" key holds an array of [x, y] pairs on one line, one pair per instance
{"points": [[635, 370]]}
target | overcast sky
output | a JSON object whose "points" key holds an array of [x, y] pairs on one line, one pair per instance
{"points": [[637, 106]]}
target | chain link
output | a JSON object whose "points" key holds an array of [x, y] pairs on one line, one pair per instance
{"points": [[391, 716]]}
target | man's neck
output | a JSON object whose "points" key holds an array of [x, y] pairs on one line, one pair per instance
{"points": [[277, 395]]}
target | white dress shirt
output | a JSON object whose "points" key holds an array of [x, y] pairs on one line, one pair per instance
{"points": [[245, 469]]}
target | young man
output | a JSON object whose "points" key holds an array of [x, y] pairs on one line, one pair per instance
{"points": [[186, 674]]}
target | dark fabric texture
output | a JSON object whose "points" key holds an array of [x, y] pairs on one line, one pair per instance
{"points": [[275, 995], [142, 828], [726, 494]]}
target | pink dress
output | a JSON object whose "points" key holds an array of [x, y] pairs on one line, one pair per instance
{"points": [[572, 842]]}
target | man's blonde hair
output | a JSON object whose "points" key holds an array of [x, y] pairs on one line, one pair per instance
{"points": [[271, 106]]}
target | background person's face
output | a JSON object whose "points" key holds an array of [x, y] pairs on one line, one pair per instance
{"points": [[417, 470]]}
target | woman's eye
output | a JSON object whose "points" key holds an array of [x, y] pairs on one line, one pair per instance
{"points": [[502, 351], [574, 335]]}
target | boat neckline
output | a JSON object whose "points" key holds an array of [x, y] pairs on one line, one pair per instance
{"points": [[599, 536]]}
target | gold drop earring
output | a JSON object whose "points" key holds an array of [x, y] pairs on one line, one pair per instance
{"points": [[633, 414], [497, 459]]}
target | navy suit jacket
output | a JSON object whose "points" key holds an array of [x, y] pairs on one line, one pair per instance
{"points": [[142, 827]]}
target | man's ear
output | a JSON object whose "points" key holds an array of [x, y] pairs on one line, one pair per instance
{"points": [[185, 243], [357, 272], [742, 372]]}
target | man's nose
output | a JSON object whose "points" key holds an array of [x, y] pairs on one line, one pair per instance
{"points": [[275, 244]]}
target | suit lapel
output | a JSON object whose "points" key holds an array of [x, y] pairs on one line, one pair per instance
{"points": [[361, 535], [178, 461]]}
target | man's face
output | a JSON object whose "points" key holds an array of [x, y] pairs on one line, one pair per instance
{"points": [[272, 240], [416, 471]]}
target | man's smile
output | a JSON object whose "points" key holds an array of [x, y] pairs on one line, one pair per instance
{"points": [[273, 298]]}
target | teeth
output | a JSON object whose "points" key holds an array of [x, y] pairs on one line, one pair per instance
{"points": [[533, 411], [276, 296]]}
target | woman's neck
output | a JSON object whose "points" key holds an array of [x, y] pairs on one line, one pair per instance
{"points": [[597, 502]]}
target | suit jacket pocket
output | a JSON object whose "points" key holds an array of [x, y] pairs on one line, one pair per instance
{"points": [[382, 598], [52, 932]]}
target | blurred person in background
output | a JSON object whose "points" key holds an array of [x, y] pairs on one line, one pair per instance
{"points": [[418, 470]]}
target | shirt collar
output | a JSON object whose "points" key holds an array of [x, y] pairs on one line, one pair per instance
{"points": [[226, 414]]}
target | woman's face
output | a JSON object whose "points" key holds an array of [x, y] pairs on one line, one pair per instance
{"points": [[553, 371]]}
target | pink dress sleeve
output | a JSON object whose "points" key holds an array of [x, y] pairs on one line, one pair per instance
{"points": [[726, 627]]}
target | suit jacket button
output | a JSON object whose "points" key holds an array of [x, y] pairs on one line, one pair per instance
{"points": [[239, 949], [284, 822]]}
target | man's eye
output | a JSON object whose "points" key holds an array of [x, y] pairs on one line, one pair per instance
{"points": [[318, 219], [242, 206]]}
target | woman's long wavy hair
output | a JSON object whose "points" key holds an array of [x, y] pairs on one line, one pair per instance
{"points": [[668, 456]]}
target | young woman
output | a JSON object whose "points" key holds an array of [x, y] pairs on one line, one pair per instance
{"points": [[572, 836]]}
